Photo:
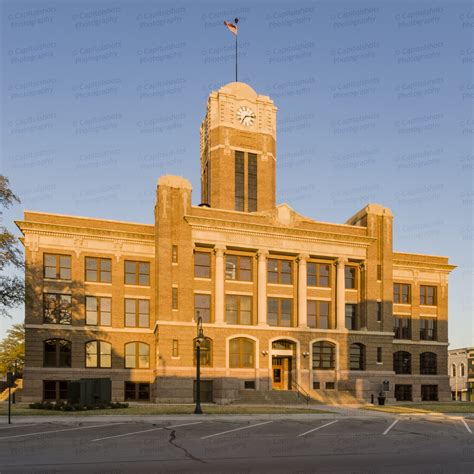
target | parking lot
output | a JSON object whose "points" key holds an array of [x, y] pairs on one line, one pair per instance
{"points": [[242, 444]]}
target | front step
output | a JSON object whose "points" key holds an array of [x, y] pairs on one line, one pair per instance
{"points": [[270, 397]]}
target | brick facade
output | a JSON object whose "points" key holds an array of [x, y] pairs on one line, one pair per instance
{"points": [[364, 243]]}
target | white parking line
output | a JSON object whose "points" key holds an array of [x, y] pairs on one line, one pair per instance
{"points": [[236, 429], [184, 424], [126, 434], [390, 427], [144, 431], [18, 426], [466, 425], [59, 431], [318, 428]]}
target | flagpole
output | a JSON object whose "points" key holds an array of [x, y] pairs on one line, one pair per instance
{"points": [[236, 58], [236, 20]]}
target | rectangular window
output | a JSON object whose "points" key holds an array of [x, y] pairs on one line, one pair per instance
{"points": [[403, 393], [316, 385], [317, 274], [279, 271], [428, 329], [202, 264], [428, 295], [238, 309], [136, 391], [402, 327], [379, 311], [318, 314], [137, 313], [350, 274], [57, 308], [174, 298], [202, 307], [99, 269], [429, 393], [379, 272], [174, 254], [239, 181], [57, 267], [330, 385], [137, 273], [379, 355], [98, 310], [249, 384], [401, 293], [252, 182], [352, 322], [238, 267], [175, 348], [280, 312], [55, 390]]}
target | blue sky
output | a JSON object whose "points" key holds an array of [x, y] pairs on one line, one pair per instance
{"points": [[375, 105]]}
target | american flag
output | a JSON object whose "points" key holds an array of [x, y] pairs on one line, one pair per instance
{"points": [[232, 27]]}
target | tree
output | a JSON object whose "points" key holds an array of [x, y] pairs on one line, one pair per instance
{"points": [[12, 350], [12, 288]]}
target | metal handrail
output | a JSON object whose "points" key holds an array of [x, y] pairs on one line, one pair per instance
{"points": [[301, 391]]}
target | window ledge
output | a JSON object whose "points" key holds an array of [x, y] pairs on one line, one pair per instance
{"points": [[284, 285], [128, 285], [104, 283], [59, 280], [239, 281], [203, 278], [434, 306], [309, 287]]}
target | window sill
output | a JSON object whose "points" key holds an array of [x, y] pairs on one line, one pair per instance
{"points": [[203, 278], [59, 280], [284, 285], [128, 285], [433, 306], [238, 281], [310, 287], [102, 283]]}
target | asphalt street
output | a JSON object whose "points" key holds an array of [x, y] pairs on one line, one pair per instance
{"points": [[282, 443]]}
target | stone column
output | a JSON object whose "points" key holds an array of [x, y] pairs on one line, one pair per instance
{"points": [[302, 293], [340, 294], [219, 285], [262, 287]]}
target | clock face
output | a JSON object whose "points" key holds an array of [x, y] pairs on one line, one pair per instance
{"points": [[246, 116]]}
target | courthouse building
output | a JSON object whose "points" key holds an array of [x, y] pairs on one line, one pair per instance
{"points": [[288, 302]]}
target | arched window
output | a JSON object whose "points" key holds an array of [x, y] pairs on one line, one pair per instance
{"points": [[428, 363], [241, 353], [402, 362], [454, 370], [357, 357], [206, 352], [98, 354], [462, 370], [57, 353], [324, 355], [137, 355]]}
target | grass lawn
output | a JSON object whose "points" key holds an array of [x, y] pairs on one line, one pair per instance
{"points": [[453, 407], [20, 409]]}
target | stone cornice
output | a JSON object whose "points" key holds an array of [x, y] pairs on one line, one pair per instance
{"points": [[410, 265], [60, 230], [274, 231]]}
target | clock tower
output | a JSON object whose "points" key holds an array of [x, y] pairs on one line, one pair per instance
{"points": [[238, 150]]}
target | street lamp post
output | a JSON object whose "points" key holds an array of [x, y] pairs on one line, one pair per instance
{"points": [[199, 340]]}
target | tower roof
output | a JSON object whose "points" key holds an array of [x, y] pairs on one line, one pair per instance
{"points": [[239, 89]]}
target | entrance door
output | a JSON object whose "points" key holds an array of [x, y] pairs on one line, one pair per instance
{"points": [[277, 382]]}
